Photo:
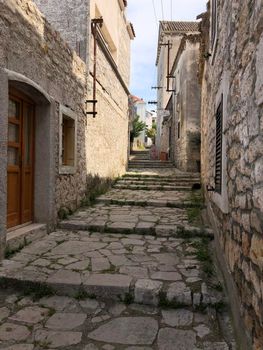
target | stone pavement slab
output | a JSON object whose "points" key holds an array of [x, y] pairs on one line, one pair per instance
{"points": [[96, 325], [127, 330], [155, 220], [114, 266]]}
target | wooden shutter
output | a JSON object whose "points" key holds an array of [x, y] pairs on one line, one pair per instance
{"points": [[218, 156]]}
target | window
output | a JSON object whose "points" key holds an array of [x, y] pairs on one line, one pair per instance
{"points": [[218, 155], [68, 137]]}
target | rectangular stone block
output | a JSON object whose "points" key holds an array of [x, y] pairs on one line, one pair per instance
{"points": [[107, 286]]}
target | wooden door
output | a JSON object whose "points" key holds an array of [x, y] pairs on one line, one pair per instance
{"points": [[20, 160]]}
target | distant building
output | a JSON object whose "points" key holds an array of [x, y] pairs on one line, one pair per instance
{"points": [[184, 121], [171, 47], [140, 110]]}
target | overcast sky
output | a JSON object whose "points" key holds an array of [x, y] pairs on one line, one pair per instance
{"points": [[141, 14]]}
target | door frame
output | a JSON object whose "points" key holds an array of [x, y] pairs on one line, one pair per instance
{"points": [[22, 98], [45, 157]]}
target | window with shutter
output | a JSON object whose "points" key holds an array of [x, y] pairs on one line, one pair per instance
{"points": [[218, 156]]}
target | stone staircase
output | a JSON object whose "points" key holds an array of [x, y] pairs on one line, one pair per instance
{"points": [[180, 182], [136, 245], [141, 160]]}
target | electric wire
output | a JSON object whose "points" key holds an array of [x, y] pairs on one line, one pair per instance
{"points": [[155, 14], [171, 10], [162, 10]]}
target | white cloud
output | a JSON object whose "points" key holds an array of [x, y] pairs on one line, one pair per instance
{"points": [[141, 14]]}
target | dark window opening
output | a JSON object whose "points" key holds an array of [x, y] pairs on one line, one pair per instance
{"points": [[68, 141], [219, 138]]}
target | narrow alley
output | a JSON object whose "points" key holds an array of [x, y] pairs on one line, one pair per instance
{"points": [[131, 174], [134, 269]]}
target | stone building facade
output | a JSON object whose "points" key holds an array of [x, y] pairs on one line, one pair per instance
{"points": [[49, 145], [39, 75], [140, 110], [177, 51], [185, 118], [107, 133], [232, 150]]}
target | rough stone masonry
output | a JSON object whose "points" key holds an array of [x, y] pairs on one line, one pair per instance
{"points": [[233, 74]]}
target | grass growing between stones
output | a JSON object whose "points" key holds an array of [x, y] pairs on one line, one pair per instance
{"points": [[204, 256], [38, 290], [10, 252], [196, 204], [96, 186], [128, 299], [169, 304], [64, 213], [111, 269], [82, 295], [44, 344]]}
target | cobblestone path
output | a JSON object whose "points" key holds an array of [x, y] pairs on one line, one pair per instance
{"points": [[132, 272]]}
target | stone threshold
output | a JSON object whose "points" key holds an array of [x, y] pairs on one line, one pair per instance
{"points": [[117, 287], [141, 229], [22, 236]]}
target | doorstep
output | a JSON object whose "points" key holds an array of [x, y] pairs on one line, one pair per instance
{"points": [[21, 236]]}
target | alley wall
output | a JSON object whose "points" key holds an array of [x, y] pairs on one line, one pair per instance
{"points": [[37, 62], [233, 74]]}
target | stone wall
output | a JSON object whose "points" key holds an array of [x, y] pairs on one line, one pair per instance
{"points": [[234, 70], [42, 65], [187, 106], [71, 19], [107, 134]]}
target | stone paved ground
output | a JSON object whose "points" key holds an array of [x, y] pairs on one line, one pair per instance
{"points": [[88, 324], [131, 275], [145, 268]]}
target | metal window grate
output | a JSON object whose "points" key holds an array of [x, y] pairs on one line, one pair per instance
{"points": [[219, 136]]}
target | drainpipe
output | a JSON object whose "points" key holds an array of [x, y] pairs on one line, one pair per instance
{"points": [[169, 76], [94, 26]]}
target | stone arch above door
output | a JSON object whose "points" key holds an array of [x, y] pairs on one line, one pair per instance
{"points": [[44, 172]]}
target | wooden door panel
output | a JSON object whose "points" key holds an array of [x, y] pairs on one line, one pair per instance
{"points": [[20, 160], [27, 163], [13, 197], [13, 159], [27, 196]]}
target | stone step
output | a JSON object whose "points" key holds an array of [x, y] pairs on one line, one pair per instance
{"points": [[143, 228], [140, 152], [138, 158], [116, 267], [24, 235], [182, 176], [117, 287], [158, 183], [150, 166], [149, 202], [160, 179], [153, 187], [149, 162]]}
